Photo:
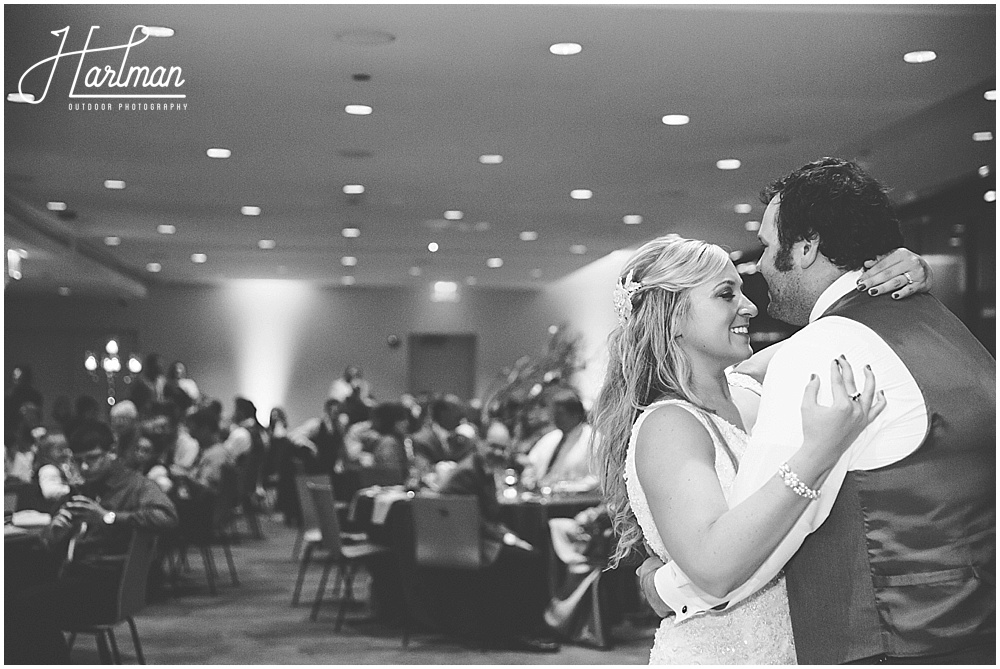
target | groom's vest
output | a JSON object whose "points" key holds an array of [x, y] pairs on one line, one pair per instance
{"points": [[905, 563]]}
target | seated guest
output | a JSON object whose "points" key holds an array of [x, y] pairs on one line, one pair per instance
{"points": [[139, 456], [390, 421], [179, 389], [172, 445], [354, 395], [514, 588], [435, 441], [358, 441], [213, 456], [124, 423], [564, 453], [56, 472], [93, 536]]}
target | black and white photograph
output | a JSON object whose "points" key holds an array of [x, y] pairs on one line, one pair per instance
{"points": [[498, 334]]}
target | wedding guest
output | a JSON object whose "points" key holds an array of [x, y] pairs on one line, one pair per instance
{"points": [[179, 389], [354, 394], [147, 387], [564, 453]]}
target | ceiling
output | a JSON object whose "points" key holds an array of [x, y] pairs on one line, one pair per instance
{"points": [[773, 86]]}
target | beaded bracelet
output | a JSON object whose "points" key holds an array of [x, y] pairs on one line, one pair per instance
{"points": [[795, 484]]}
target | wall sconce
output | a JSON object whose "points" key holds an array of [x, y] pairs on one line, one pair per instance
{"points": [[111, 364]]}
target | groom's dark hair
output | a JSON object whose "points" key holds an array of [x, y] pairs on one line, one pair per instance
{"points": [[839, 202]]}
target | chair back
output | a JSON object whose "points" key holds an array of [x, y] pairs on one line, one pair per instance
{"points": [[447, 531], [326, 513], [135, 574], [310, 520], [9, 504], [228, 497]]}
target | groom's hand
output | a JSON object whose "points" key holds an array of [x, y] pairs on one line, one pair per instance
{"points": [[645, 573]]}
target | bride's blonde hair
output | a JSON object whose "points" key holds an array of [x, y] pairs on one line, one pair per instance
{"points": [[645, 362]]}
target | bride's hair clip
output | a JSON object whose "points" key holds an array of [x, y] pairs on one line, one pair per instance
{"points": [[625, 288]]}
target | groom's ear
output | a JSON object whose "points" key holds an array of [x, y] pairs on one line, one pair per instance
{"points": [[808, 252]]}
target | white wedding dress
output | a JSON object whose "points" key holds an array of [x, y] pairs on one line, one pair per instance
{"points": [[757, 630]]}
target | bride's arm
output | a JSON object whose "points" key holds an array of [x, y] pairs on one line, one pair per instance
{"points": [[719, 548]]}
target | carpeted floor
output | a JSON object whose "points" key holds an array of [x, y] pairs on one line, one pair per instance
{"points": [[256, 624]]}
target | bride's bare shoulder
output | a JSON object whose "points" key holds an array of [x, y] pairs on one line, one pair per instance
{"points": [[668, 432]]}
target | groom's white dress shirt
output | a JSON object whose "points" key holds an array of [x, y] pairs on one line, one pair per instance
{"points": [[777, 434]]}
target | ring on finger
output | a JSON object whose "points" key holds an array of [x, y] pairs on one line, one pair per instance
{"points": [[855, 397], [909, 279]]}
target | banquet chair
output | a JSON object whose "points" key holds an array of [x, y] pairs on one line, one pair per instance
{"points": [[309, 536], [207, 519], [346, 557], [131, 599]]}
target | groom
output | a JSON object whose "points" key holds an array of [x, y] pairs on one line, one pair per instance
{"points": [[895, 562]]}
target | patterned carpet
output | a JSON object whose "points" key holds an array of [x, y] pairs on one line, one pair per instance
{"points": [[256, 624]]}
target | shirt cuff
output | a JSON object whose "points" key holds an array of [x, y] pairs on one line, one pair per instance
{"points": [[680, 594]]}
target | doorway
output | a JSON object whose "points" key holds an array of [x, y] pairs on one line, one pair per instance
{"points": [[442, 363]]}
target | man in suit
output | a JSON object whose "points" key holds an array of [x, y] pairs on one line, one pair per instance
{"points": [[894, 562]]}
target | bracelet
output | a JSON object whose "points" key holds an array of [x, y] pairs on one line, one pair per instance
{"points": [[795, 484]]}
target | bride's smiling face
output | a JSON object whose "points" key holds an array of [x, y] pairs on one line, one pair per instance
{"points": [[716, 326]]}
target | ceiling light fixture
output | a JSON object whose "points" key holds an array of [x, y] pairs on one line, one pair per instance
{"points": [[114, 184], [157, 31], [166, 229], [752, 226], [565, 49], [481, 226], [494, 262], [529, 236], [536, 273], [348, 280], [64, 290], [578, 249], [491, 159], [919, 56], [990, 95], [55, 206], [581, 194], [471, 280], [250, 211], [984, 170], [20, 97], [219, 153], [632, 219], [984, 136], [433, 247], [728, 164], [415, 271], [348, 261], [199, 258], [453, 215], [266, 244], [676, 119], [990, 196], [153, 267], [354, 189], [112, 241], [351, 233], [358, 110], [743, 208]]}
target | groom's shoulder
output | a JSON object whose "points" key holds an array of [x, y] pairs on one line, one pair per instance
{"points": [[826, 337]]}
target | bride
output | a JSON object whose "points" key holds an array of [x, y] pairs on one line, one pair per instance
{"points": [[674, 424]]}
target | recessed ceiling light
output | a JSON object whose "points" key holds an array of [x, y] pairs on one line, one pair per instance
{"points": [[676, 119], [990, 196], [984, 171], [990, 95], [919, 56], [529, 236], [728, 164], [112, 241], [743, 208], [153, 267], [348, 280], [351, 233], [21, 253], [64, 290], [55, 206], [266, 244], [632, 219], [984, 136], [348, 261], [114, 184], [415, 271], [752, 226], [20, 97], [536, 273], [494, 262], [481, 226], [199, 258], [453, 215], [578, 249], [490, 159], [471, 280], [166, 229], [219, 153], [565, 49], [581, 194], [354, 189], [433, 247], [250, 211], [358, 110], [157, 31]]}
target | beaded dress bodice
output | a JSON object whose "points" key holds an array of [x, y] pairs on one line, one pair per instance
{"points": [[754, 631]]}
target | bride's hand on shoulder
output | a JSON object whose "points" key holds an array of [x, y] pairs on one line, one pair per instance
{"points": [[830, 430], [900, 272]]}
